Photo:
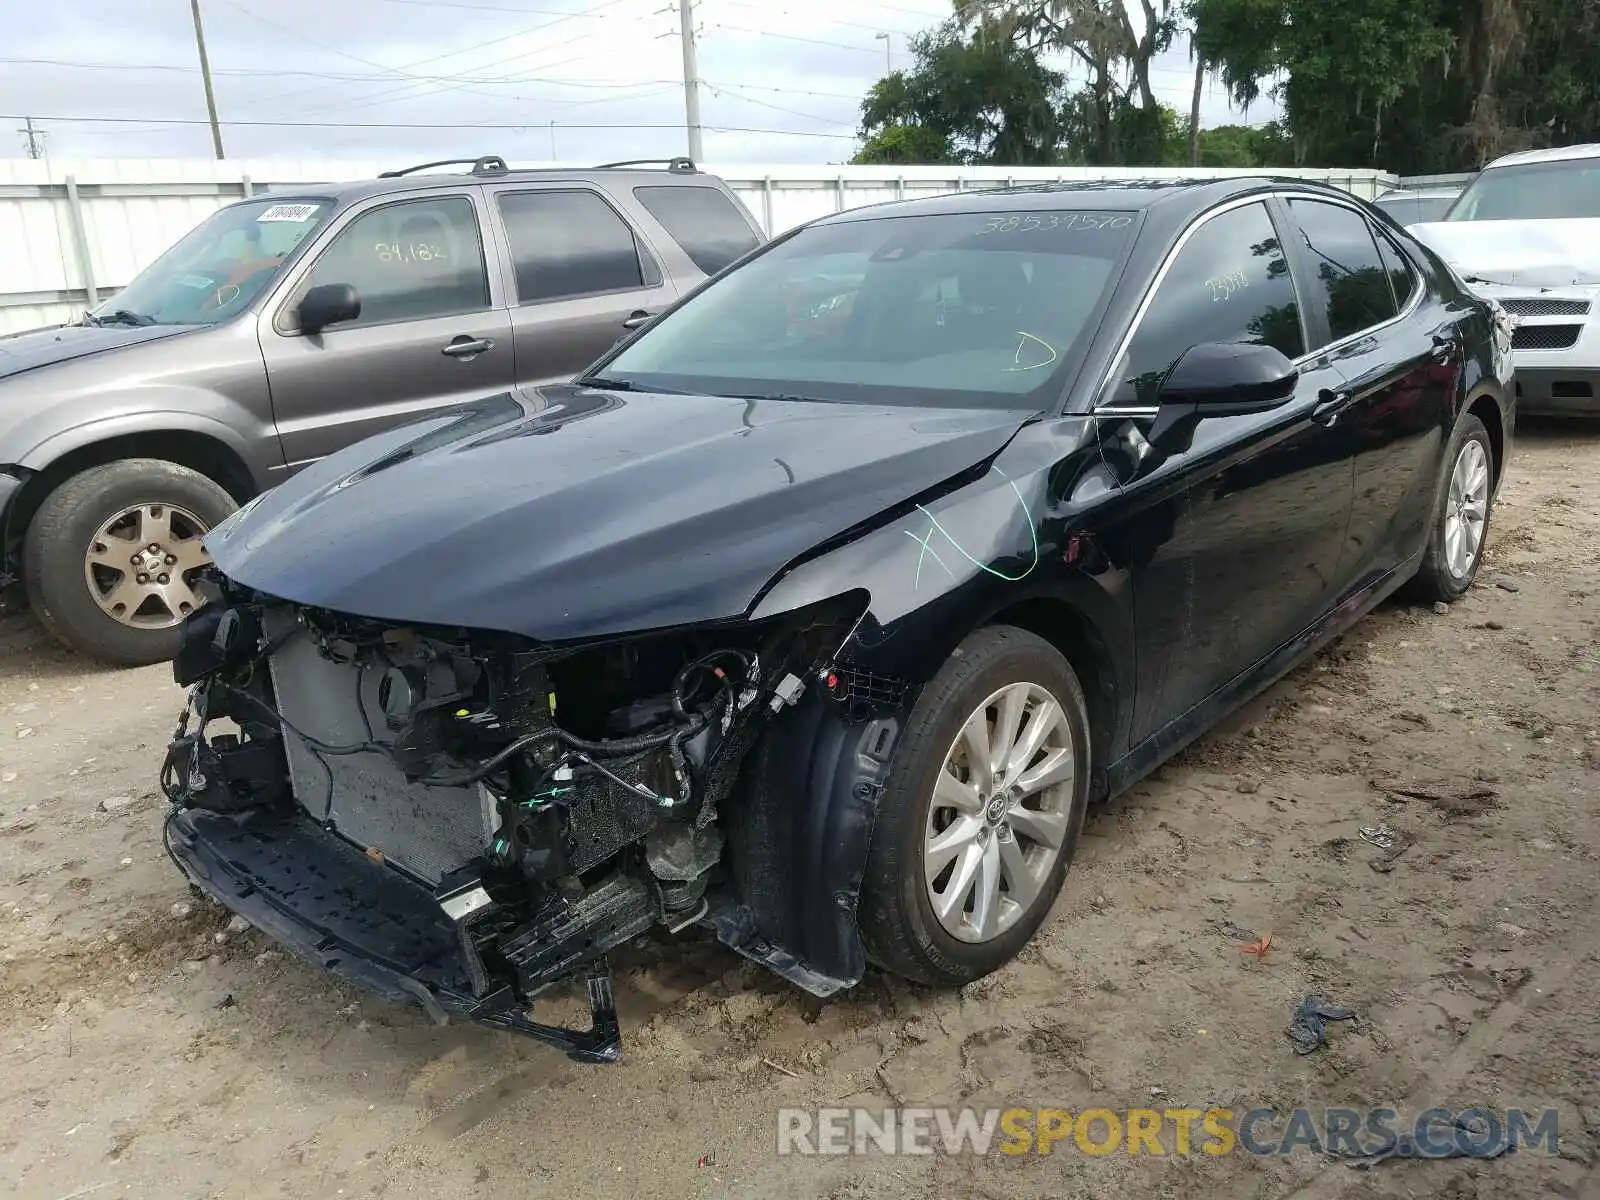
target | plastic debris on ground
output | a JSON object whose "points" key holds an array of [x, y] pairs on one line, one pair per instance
{"points": [[1308, 1031], [1380, 836]]}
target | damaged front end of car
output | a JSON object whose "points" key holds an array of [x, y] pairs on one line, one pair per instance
{"points": [[463, 819]]}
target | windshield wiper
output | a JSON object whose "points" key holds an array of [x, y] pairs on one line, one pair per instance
{"points": [[774, 396], [623, 385], [119, 316], [610, 385], [1484, 279]]}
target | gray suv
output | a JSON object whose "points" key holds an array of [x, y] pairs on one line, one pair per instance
{"points": [[287, 326]]}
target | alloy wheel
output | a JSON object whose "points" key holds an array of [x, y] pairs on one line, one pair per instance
{"points": [[141, 563], [1466, 509], [1000, 812]]}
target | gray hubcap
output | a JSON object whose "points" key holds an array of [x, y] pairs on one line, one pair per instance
{"points": [[999, 815], [1466, 508], [140, 564]]}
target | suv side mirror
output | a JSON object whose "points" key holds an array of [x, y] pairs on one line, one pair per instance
{"points": [[328, 304], [1219, 379]]}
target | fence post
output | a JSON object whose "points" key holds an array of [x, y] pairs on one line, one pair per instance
{"points": [[838, 198], [249, 187], [80, 240], [766, 203], [900, 188]]}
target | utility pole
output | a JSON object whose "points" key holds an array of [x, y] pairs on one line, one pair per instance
{"points": [[205, 74], [32, 138], [1194, 111], [691, 79]]}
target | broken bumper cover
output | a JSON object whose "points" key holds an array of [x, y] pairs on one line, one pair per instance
{"points": [[330, 904]]}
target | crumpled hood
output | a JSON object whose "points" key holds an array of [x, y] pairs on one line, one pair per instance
{"points": [[21, 352], [1532, 253], [587, 513]]}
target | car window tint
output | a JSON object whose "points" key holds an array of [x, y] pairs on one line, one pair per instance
{"points": [[415, 259], [1347, 280], [1229, 283], [568, 244], [1401, 278], [704, 221]]}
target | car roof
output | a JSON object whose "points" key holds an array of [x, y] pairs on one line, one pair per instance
{"points": [[617, 177], [1420, 194], [1174, 200], [1553, 154]]}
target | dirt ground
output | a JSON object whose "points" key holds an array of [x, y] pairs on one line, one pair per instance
{"points": [[148, 1051]]}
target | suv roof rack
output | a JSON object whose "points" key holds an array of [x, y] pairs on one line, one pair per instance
{"points": [[680, 165], [489, 164]]}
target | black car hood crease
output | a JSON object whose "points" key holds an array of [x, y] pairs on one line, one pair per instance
{"points": [[591, 513], [35, 348]]}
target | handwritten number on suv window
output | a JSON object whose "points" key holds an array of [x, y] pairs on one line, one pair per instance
{"points": [[409, 252], [1031, 221]]}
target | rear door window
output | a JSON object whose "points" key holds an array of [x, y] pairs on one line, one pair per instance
{"points": [[1346, 279], [569, 243], [1229, 283], [704, 221], [1401, 279]]}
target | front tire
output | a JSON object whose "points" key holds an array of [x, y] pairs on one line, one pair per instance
{"points": [[1460, 526], [982, 812], [110, 556]]}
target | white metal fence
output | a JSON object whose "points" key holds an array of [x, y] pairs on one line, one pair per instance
{"points": [[72, 233]]}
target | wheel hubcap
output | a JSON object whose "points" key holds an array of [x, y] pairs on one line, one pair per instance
{"points": [[140, 565], [1000, 811], [1466, 509]]}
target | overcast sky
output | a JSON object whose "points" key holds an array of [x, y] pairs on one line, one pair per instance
{"points": [[782, 81]]}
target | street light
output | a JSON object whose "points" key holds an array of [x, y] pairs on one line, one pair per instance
{"points": [[888, 67]]}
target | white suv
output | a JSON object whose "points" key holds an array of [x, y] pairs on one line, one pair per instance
{"points": [[1527, 234]]}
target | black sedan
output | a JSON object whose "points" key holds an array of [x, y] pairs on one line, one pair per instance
{"points": [[818, 610]]}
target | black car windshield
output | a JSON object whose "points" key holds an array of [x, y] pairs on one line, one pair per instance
{"points": [[975, 309], [218, 268], [1532, 192]]}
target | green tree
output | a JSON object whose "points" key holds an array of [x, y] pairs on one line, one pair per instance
{"points": [[1413, 86], [975, 97], [1113, 122]]}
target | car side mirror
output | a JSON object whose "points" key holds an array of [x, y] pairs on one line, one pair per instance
{"points": [[328, 304], [1219, 379]]}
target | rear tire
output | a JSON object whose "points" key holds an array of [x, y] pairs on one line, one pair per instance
{"points": [[935, 798], [82, 546], [1459, 528]]}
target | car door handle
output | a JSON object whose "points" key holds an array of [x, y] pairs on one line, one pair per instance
{"points": [[465, 347], [636, 319], [1328, 406], [1446, 346]]}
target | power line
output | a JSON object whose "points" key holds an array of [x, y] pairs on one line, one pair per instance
{"points": [[769, 11], [789, 37], [730, 90], [486, 125], [494, 8], [370, 77], [498, 40]]}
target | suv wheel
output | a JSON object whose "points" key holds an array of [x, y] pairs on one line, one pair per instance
{"points": [[982, 811], [110, 557]]}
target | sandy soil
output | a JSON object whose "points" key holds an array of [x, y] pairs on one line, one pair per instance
{"points": [[147, 1051]]}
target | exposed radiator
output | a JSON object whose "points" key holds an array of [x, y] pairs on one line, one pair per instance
{"points": [[428, 831]]}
